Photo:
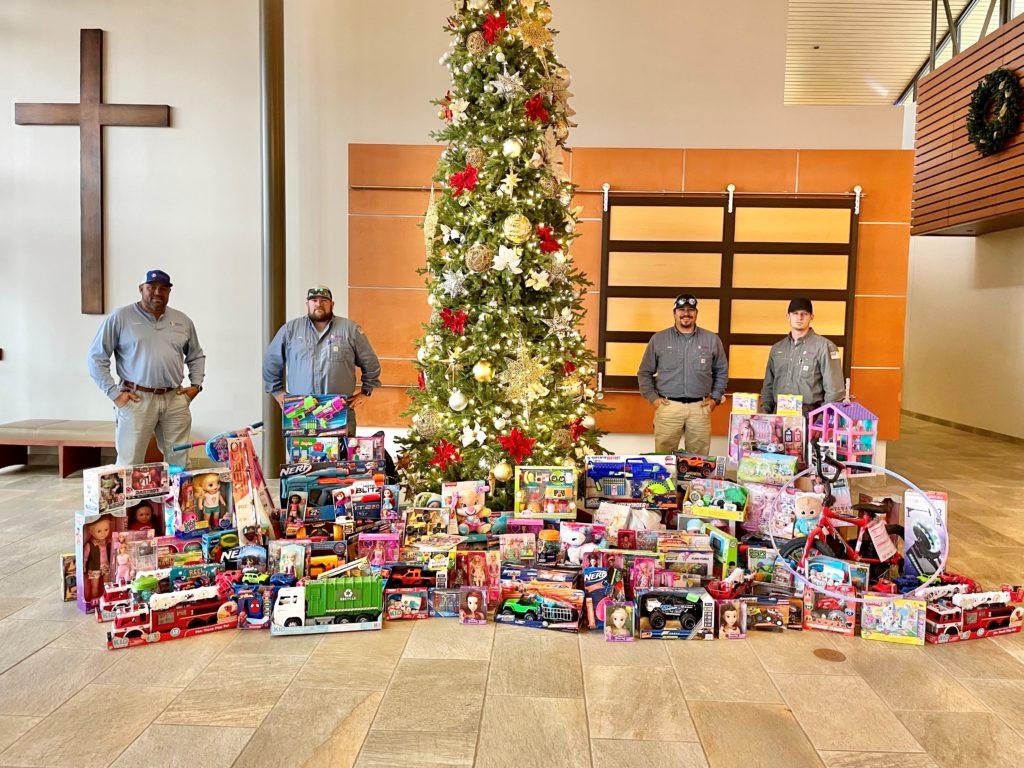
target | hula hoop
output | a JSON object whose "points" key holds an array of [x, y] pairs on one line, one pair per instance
{"points": [[800, 579]]}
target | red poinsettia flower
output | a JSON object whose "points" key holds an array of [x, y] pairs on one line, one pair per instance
{"points": [[576, 429], [548, 244], [463, 181], [535, 109], [454, 321], [421, 380], [445, 454], [568, 367], [493, 26], [517, 444]]}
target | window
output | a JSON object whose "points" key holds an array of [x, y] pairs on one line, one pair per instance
{"points": [[744, 266]]}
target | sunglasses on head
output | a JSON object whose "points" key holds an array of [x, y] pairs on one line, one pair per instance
{"points": [[682, 303]]}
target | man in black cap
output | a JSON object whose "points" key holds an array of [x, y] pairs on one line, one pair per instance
{"points": [[319, 353], [683, 374], [150, 343], [803, 363]]}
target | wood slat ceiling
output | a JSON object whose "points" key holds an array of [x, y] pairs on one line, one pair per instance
{"points": [[867, 49]]}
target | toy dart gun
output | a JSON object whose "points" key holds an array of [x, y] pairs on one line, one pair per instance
{"points": [[312, 408], [633, 478], [217, 446]]}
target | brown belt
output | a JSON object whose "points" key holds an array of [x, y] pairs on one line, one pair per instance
{"points": [[129, 386]]}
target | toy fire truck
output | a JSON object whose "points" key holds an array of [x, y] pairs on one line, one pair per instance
{"points": [[970, 616]]}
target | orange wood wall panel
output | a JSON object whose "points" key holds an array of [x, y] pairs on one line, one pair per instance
{"points": [[384, 408], [878, 331], [401, 373], [956, 190], [392, 165], [880, 391], [586, 251], [882, 254], [391, 317], [884, 175], [388, 201], [628, 169], [751, 170], [385, 251]]}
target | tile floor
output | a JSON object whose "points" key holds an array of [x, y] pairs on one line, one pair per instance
{"points": [[438, 694]]}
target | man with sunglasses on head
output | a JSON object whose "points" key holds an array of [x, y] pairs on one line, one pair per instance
{"points": [[319, 353], [151, 343], [683, 374], [803, 363]]}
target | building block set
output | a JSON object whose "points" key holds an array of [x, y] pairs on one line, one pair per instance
{"points": [[637, 547]]}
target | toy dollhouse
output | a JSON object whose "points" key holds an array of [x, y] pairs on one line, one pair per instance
{"points": [[850, 426]]}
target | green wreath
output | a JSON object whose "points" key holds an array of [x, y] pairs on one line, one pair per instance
{"points": [[998, 94]]}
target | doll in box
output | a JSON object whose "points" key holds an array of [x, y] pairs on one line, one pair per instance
{"points": [[209, 498], [732, 623], [473, 607], [143, 517], [96, 553], [123, 572], [619, 624], [477, 576]]}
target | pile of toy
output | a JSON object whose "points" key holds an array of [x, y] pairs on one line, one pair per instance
{"points": [[638, 546]]}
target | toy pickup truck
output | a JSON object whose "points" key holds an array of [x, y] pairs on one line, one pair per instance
{"points": [[531, 607], [660, 606]]}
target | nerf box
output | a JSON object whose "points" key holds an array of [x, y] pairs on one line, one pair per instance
{"points": [[321, 415], [648, 479], [602, 586]]}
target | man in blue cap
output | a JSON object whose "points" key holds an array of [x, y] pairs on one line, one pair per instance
{"points": [[151, 343], [319, 353]]}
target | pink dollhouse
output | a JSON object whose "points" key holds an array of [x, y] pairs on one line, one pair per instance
{"points": [[851, 426]]}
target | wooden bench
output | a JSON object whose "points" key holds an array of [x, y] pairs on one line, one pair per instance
{"points": [[78, 442]]}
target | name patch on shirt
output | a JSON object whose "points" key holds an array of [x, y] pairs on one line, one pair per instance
{"points": [[834, 354]]}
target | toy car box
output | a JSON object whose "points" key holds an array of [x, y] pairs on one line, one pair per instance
{"points": [[682, 614], [545, 605]]}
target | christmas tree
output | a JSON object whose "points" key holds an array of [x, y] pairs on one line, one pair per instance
{"points": [[505, 376]]}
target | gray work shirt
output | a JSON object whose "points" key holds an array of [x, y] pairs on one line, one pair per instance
{"points": [[320, 362], [683, 365], [809, 366], [147, 351]]}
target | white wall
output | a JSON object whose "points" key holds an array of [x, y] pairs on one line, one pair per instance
{"points": [[965, 330], [645, 73]]}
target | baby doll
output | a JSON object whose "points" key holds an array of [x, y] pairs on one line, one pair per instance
{"points": [[141, 517], [210, 499], [807, 510]]}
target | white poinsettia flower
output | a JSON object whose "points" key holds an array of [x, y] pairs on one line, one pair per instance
{"points": [[509, 258], [538, 279], [458, 108], [473, 434]]}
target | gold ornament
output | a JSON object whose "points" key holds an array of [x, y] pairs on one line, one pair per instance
{"points": [[483, 371], [561, 438], [502, 472], [523, 375], [544, 15], [475, 156], [589, 421], [430, 220], [479, 257], [516, 228], [535, 35], [562, 78], [428, 424], [561, 130], [475, 43], [548, 185]]}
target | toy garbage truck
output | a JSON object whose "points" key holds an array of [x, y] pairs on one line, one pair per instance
{"points": [[317, 604]]}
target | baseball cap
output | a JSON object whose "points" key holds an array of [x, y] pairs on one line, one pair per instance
{"points": [[800, 305], [319, 292], [158, 276], [685, 300]]}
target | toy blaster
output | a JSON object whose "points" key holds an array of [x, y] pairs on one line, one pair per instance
{"points": [[299, 410], [633, 478], [324, 412]]}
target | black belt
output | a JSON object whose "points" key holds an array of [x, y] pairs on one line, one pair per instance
{"points": [[686, 399]]}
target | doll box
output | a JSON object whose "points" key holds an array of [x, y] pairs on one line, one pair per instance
{"points": [[103, 488]]}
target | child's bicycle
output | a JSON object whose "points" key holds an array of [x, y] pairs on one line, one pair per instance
{"points": [[827, 539]]}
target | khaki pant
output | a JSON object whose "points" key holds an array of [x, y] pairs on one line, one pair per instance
{"points": [[168, 416], [674, 420]]}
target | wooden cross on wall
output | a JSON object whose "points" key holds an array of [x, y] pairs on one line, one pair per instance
{"points": [[91, 114]]}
